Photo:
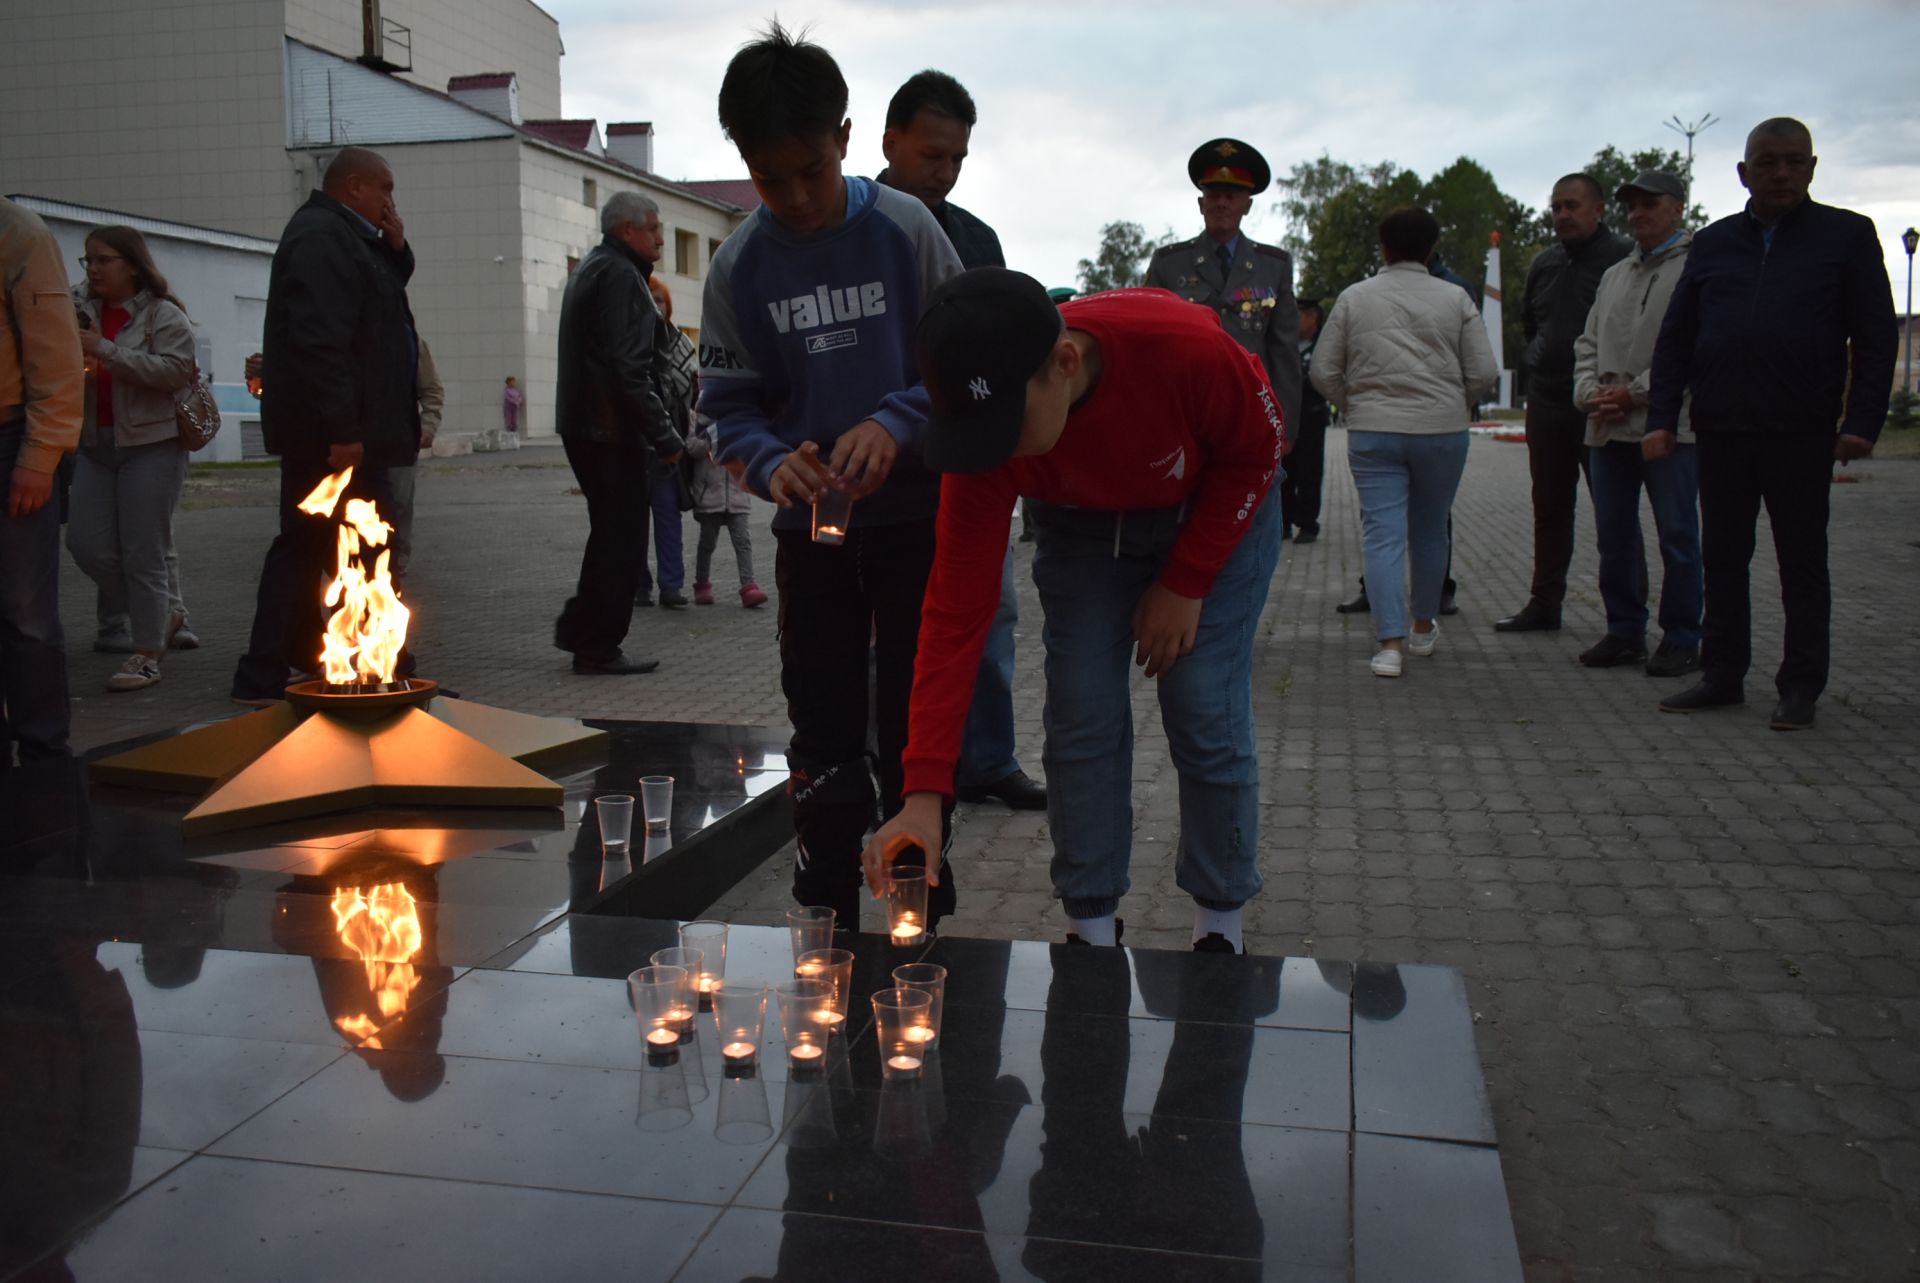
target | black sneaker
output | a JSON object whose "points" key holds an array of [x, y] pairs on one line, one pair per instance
{"points": [[1674, 660], [1530, 618], [1357, 605], [1614, 652], [672, 598], [1214, 942], [1307, 534], [1020, 791]]}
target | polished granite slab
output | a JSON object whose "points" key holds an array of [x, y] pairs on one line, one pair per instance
{"points": [[394, 1041]]}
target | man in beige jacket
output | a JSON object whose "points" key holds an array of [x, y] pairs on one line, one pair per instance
{"points": [[1612, 360], [42, 387]]}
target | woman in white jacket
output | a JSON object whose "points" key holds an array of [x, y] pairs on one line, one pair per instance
{"points": [[1403, 355]]}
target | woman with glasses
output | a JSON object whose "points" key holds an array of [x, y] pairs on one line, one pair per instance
{"points": [[138, 345]]}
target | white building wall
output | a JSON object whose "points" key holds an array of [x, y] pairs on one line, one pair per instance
{"points": [[558, 224], [174, 110], [451, 38], [461, 206]]}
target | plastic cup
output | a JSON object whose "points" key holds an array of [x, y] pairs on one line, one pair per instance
{"points": [[663, 1004], [811, 928], [907, 906], [802, 1004], [929, 978], [740, 1015], [656, 800], [831, 513], [694, 963], [901, 1031], [835, 966], [710, 938], [616, 822]]}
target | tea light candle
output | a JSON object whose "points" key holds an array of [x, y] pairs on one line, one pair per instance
{"points": [[706, 986], [740, 1053], [804, 1054], [662, 1037], [809, 971], [906, 931], [918, 1033], [830, 1018], [904, 1065]]}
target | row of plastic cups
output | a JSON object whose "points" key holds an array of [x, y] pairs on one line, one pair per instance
{"points": [[812, 1009]]}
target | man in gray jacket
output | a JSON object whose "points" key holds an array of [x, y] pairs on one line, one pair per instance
{"points": [[1612, 364]]}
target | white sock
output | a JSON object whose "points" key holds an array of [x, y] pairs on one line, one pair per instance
{"points": [[1093, 930], [1207, 921]]}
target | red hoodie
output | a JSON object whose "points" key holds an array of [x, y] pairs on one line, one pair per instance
{"points": [[1182, 414]]}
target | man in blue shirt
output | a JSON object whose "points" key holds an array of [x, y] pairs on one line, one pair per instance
{"points": [[1782, 329]]}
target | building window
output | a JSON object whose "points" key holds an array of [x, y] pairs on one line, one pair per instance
{"points": [[590, 193], [686, 253]]}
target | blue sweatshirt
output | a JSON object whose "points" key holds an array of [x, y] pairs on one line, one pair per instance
{"points": [[803, 337]]}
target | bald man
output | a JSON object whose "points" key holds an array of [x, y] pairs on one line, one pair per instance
{"points": [[337, 391], [1782, 330]]}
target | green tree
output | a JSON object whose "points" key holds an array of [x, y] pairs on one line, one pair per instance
{"points": [[1471, 207], [1121, 260], [1613, 168]]}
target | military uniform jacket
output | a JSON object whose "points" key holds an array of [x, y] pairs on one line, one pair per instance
{"points": [[1255, 303]]}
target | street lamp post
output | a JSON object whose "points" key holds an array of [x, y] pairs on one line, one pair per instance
{"points": [[1910, 239]]}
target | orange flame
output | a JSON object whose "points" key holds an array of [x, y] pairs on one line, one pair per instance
{"points": [[382, 925], [368, 626], [327, 494]]}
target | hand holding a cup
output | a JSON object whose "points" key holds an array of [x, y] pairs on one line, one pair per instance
{"points": [[917, 825], [863, 457], [800, 478]]}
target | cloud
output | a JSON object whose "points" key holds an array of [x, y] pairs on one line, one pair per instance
{"points": [[1089, 110]]}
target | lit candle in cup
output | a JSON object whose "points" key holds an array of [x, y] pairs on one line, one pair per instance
{"points": [[918, 1034], [833, 1020], [808, 971], [907, 930], [662, 1038], [806, 1055], [740, 1053], [904, 1066]]}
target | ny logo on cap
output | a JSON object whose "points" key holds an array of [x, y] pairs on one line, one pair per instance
{"points": [[979, 389]]}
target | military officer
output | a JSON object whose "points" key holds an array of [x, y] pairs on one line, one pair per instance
{"points": [[1249, 284]]}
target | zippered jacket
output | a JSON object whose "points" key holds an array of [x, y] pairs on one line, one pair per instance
{"points": [[1561, 282], [1796, 336], [1622, 328]]}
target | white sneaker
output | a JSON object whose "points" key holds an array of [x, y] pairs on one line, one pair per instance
{"points": [[1419, 643], [1385, 663], [138, 673]]}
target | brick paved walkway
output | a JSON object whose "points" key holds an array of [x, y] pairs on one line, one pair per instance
{"points": [[1690, 941]]}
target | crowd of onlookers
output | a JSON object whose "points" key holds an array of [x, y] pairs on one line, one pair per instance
{"points": [[863, 341]]}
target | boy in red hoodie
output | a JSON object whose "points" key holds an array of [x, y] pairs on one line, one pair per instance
{"points": [[1149, 441]]}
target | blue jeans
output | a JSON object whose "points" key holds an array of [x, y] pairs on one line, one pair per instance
{"points": [[663, 496], [1406, 483], [1090, 576], [1616, 473], [33, 650], [986, 751]]}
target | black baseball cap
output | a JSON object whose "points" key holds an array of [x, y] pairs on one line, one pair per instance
{"points": [[1654, 182], [983, 334]]}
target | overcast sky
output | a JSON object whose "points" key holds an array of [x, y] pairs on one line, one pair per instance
{"points": [[1088, 110]]}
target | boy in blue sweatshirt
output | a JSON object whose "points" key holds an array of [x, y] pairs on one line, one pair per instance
{"points": [[808, 372]]}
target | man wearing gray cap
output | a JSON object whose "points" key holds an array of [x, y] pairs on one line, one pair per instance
{"points": [[1612, 363]]}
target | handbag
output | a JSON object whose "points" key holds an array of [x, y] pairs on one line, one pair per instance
{"points": [[196, 416]]}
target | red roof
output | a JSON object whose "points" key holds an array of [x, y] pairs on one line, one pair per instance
{"points": [[734, 191], [485, 80], [625, 128], [568, 133]]}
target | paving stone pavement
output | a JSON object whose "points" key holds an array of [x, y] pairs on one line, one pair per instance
{"points": [[1689, 942]]}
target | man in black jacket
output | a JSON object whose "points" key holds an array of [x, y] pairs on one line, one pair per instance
{"points": [[930, 122], [1782, 328], [337, 392], [1561, 283], [612, 421]]}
